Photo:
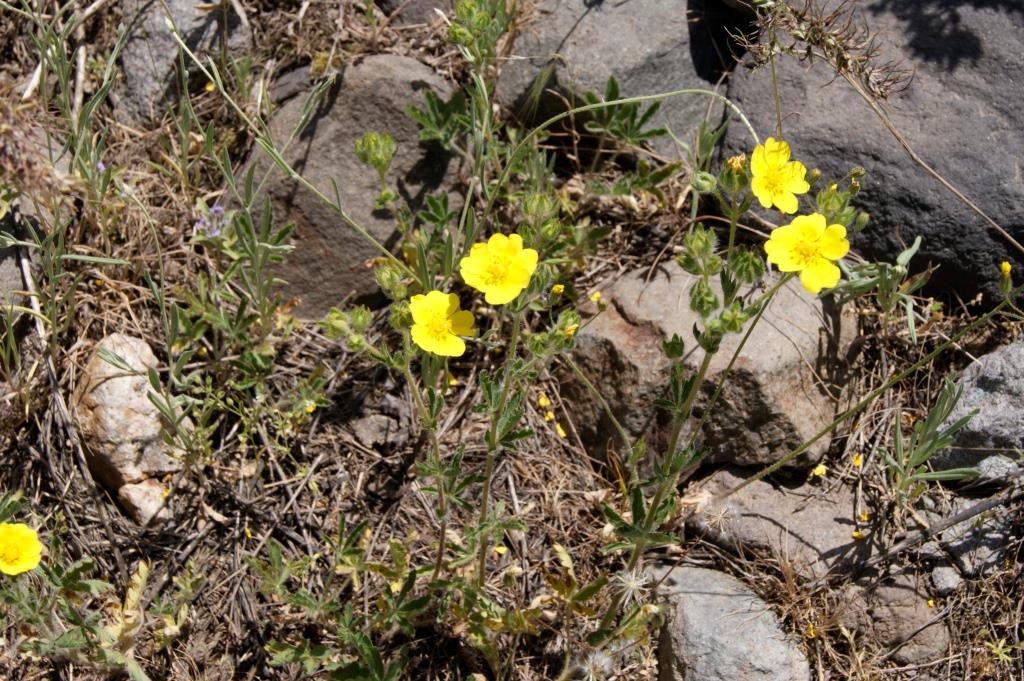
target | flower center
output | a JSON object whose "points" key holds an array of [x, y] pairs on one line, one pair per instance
{"points": [[806, 251], [496, 272], [439, 328], [9, 554], [775, 180]]}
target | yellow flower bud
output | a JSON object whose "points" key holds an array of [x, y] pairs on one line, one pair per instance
{"points": [[571, 330], [560, 430], [1005, 268], [557, 289], [549, 416], [542, 401], [820, 471], [857, 535]]}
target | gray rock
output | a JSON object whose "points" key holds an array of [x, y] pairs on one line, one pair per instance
{"points": [[145, 502], [374, 429], [415, 11], [977, 544], [330, 258], [894, 614], [945, 579], [774, 399], [994, 385], [809, 528], [962, 113], [719, 630], [650, 46], [150, 56], [122, 431]]}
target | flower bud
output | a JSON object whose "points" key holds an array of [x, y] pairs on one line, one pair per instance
{"points": [[704, 182]]}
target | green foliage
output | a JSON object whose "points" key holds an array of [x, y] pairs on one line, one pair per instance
{"points": [[906, 464], [625, 124]]}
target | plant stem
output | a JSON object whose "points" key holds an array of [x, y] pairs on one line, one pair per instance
{"points": [[493, 446], [435, 452], [667, 484]]}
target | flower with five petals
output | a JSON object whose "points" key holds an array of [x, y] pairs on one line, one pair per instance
{"points": [[777, 180], [438, 322], [500, 268], [809, 246]]}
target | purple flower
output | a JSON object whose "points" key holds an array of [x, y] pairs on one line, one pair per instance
{"points": [[217, 211], [101, 166]]}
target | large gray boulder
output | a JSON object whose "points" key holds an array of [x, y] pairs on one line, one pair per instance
{"points": [[330, 258], [963, 113], [994, 386], [149, 59], [719, 630], [777, 395], [650, 46]]}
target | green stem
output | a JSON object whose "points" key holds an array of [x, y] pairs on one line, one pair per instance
{"points": [[435, 451], [493, 446], [596, 394], [775, 86]]}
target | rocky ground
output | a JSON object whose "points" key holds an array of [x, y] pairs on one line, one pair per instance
{"points": [[819, 570]]}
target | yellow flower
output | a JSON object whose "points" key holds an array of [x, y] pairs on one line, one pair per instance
{"points": [[931, 602], [557, 289], [1005, 268], [810, 631], [776, 179], [310, 406], [438, 322], [821, 470], [809, 247], [571, 330], [864, 517], [560, 430], [858, 460], [857, 535], [452, 381], [500, 268], [549, 416], [543, 400], [20, 548], [210, 87], [595, 297]]}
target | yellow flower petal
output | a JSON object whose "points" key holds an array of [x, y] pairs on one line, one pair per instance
{"points": [[438, 322], [500, 268], [20, 548], [833, 242], [819, 274]]}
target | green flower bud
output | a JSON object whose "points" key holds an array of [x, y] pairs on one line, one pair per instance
{"points": [[376, 150], [861, 221], [813, 176], [704, 182], [400, 318], [389, 279], [703, 300]]}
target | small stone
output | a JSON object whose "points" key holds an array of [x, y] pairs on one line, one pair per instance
{"points": [[894, 612], [415, 11], [719, 630], [121, 430], [945, 579], [375, 429], [809, 528], [145, 502]]}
